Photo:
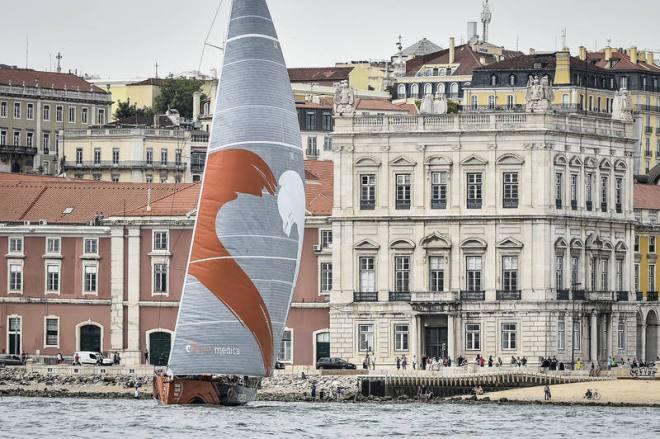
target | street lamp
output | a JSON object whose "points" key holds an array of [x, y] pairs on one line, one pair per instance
{"points": [[573, 285]]}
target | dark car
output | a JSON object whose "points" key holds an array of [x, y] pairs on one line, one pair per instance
{"points": [[333, 363], [10, 360]]}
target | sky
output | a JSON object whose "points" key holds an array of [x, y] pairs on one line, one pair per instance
{"points": [[124, 39]]}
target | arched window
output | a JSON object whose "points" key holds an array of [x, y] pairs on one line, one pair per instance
{"points": [[414, 91], [491, 102], [474, 102], [428, 89], [493, 80], [402, 91], [441, 88], [512, 80], [454, 89]]}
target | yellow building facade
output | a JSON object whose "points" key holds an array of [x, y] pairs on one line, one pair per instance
{"points": [[142, 93], [647, 239]]}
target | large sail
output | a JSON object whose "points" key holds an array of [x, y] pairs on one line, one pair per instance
{"points": [[249, 230]]}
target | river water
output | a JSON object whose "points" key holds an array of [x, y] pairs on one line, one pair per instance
{"points": [[87, 418]]}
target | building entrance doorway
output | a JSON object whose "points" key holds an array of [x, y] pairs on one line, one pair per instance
{"points": [[159, 348], [435, 341], [14, 335], [90, 338], [322, 345]]}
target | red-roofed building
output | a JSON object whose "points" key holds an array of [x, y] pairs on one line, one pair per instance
{"points": [[100, 266], [34, 105]]}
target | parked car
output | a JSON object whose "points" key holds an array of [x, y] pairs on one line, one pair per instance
{"points": [[279, 365], [10, 360], [333, 363], [87, 357]]}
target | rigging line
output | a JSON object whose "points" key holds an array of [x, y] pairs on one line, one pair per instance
{"points": [[208, 34]]}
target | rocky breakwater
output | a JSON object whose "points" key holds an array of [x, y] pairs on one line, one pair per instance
{"points": [[290, 388], [17, 381]]}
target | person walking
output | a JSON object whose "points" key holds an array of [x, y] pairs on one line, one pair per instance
{"points": [[546, 390], [146, 357], [404, 362], [490, 361], [313, 392], [398, 363], [414, 362]]}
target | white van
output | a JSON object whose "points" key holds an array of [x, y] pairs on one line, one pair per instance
{"points": [[88, 357]]}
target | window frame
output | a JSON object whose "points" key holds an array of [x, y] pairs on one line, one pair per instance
{"points": [[510, 184], [367, 188], [325, 277], [403, 191], [85, 289], [53, 239], [10, 250], [474, 193], [46, 330], [18, 263], [561, 333], [439, 189], [290, 346], [368, 329], [402, 273], [401, 337], [371, 270], [437, 285], [164, 289], [508, 336], [510, 276], [472, 336], [47, 280], [470, 281], [155, 240], [95, 246]]}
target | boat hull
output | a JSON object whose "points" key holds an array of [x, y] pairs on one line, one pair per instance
{"points": [[223, 390]]}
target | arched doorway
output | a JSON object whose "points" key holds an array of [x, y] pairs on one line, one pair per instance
{"points": [[322, 345], [90, 338], [651, 336], [639, 318], [160, 343]]}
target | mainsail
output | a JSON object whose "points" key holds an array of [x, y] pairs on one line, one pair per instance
{"points": [[249, 231]]}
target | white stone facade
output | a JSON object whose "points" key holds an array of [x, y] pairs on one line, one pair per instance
{"points": [[462, 234]]}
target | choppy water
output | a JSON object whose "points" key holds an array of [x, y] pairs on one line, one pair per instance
{"points": [[80, 418]]}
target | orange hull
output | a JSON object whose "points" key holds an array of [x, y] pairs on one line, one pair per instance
{"points": [[204, 390]]}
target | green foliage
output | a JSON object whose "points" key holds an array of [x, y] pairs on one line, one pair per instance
{"points": [[125, 109], [177, 93], [452, 107]]}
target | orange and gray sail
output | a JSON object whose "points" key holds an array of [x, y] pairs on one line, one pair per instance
{"points": [[249, 231]]}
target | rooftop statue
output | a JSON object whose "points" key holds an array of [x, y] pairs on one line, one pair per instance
{"points": [[344, 99], [622, 106], [539, 95], [440, 104], [426, 106]]}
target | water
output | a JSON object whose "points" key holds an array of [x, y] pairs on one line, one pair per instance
{"points": [[87, 418]]}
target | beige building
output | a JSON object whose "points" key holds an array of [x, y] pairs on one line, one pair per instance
{"points": [[34, 107]]}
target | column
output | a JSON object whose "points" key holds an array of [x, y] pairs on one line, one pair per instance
{"points": [[414, 335], [593, 351], [117, 289], [451, 341], [643, 358], [608, 333], [133, 309]]}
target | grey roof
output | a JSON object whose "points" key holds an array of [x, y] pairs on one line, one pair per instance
{"points": [[422, 47]]}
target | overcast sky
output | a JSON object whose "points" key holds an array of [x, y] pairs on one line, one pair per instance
{"points": [[123, 39]]}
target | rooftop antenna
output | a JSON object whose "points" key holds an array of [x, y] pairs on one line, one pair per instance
{"points": [[486, 17], [27, 46], [59, 58], [517, 42], [563, 39], [156, 65]]}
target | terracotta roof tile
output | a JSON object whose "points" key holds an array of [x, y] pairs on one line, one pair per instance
{"points": [[307, 74], [622, 62], [379, 104], [647, 196], [468, 59], [34, 78]]}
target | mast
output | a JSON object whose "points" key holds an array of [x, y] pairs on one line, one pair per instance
{"points": [[248, 235]]}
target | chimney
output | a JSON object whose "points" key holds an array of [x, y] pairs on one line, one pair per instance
{"points": [[482, 60], [649, 58], [452, 50], [197, 101], [156, 120], [532, 51], [583, 53], [632, 53], [608, 53], [562, 68]]}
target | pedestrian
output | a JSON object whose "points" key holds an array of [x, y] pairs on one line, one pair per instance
{"points": [[404, 362], [482, 361], [60, 358], [373, 362], [414, 362], [136, 395], [398, 363], [24, 357], [365, 363], [313, 390], [490, 361], [76, 359], [546, 391], [146, 356]]}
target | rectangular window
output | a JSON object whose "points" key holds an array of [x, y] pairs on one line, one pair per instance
{"points": [[79, 156], [510, 190], [603, 194], [310, 121], [15, 277], [637, 282], [46, 112], [559, 190], [472, 336], [474, 193], [402, 273], [437, 273], [84, 116], [473, 273], [163, 156], [3, 109], [326, 238], [651, 244], [577, 335], [17, 138], [574, 191], [588, 189], [3, 137], [367, 274], [15, 245], [561, 333], [101, 117], [326, 277], [160, 278], [400, 337], [636, 243], [619, 274], [559, 272], [621, 335], [91, 246], [509, 102], [326, 121], [90, 278], [327, 143], [367, 191], [366, 338], [178, 156], [115, 156], [508, 336], [97, 156], [29, 142], [53, 246], [403, 187], [52, 278], [575, 260], [150, 156], [312, 149], [594, 274], [439, 190], [30, 111], [17, 110], [14, 335], [619, 195], [52, 332], [59, 114], [510, 273], [604, 274], [46, 143], [651, 286], [72, 114], [160, 240], [285, 354]]}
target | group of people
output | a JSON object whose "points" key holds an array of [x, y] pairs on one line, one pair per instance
{"points": [[551, 363]]}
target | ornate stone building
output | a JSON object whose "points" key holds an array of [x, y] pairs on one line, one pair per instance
{"points": [[494, 233]]}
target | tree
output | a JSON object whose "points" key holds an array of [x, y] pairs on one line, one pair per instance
{"points": [[125, 109], [177, 93]]}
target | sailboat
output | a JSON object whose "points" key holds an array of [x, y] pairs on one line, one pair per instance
{"points": [[248, 236]]}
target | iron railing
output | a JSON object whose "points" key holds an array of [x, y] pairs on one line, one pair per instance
{"points": [[563, 294], [474, 203], [17, 149], [652, 296], [475, 296], [622, 296], [399, 296], [365, 296], [508, 294], [109, 164]]}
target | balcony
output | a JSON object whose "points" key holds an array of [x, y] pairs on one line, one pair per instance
{"points": [[508, 294], [639, 296], [434, 296], [109, 164], [367, 204], [399, 296], [600, 296], [510, 203], [563, 295], [473, 296], [17, 149], [124, 132], [578, 295], [559, 204], [438, 204], [197, 167], [622, 296], [589, 206], [474, 203], [402, 204], [365, 296], [652, 296]]}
